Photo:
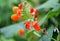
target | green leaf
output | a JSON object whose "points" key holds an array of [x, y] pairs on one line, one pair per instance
{"points": [[49, 15], [43, 19], [13, 1], [3, 3], [49, 4], [8, 31], [50, 32], [53, 13], [29, 33], [58, 37], [2, 38]]}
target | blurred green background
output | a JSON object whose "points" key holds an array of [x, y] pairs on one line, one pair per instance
{"points": [[49, 17]]}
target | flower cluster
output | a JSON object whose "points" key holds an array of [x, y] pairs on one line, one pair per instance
{"points": [[28, 23], [17, 12], [34, 24]]}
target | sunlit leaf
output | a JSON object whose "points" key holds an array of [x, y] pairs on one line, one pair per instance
{"points": [[9, 30], [49, 4]]}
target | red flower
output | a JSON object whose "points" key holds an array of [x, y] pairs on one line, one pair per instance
{"points": [[27, 24], [34, 12], [14, 17], [21, 31], [20, 6], [31, 10], [19, 13], [35, 25], [15, 8]]}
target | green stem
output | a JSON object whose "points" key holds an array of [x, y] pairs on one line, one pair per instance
{"points": [[37, 34]]}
